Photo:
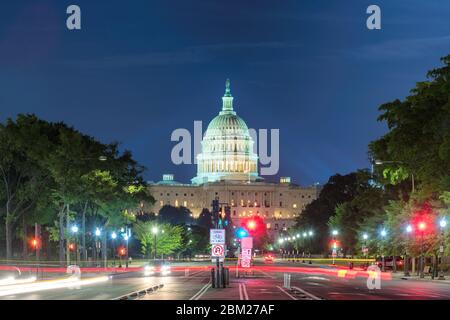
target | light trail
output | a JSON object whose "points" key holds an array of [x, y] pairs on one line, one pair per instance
{"points": [[49, 285], [12, 281]]}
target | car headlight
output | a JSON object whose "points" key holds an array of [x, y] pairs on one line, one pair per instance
{"points": [[148, 270], [165, 268]]}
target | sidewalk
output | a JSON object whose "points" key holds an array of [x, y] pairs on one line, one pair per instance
{"points": [[400, 275]]}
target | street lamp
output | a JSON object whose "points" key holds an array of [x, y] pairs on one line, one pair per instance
{"points": [[97, 234], [155, 232], [334, 253], [409, 229], [113, 237], [383, 234], [422, 226], [75, 231], [365, 248], [126, 237], [443, 225]]}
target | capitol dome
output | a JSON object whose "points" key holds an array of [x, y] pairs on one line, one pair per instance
{"points": [[227, 148]]}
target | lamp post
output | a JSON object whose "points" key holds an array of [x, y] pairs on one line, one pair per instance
{"points": [[310, 234], [422, 226], [97, 234], [409, 229], [383, 234], [75, 232], [113, 237], [126, 237], [365, 249], [155, 232], [443, 225], [334, 254]]}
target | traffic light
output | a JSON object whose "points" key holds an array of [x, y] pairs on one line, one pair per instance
{"points": [[422, 226], [122, 251], [71, 247], [35, 243], [251, 225], [241, 233]]}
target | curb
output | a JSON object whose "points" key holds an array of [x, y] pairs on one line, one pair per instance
{"points": [[140, 293]]}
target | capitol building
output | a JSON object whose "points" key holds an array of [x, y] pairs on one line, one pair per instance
{"points": [[227, 169]]}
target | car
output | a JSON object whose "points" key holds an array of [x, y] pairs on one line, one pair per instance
{"points": [[269, 258], [389, 262], [157, 267]]}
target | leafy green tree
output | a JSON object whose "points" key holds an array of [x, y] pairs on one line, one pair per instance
{"points": [[418, 140], [339, 189], [168, 238]]}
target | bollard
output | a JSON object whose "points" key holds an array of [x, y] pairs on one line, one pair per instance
{"points": [[213, 278], [287, 281]]}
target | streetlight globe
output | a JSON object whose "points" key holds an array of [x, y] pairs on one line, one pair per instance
{"points": [[310, 233], [443, 223], [114, 235], [126, 237], [97, 232], [365, 236], [74, 229], [304, 234], [155, 230], [409, 228], [383, 233], [280, 240], [335, 232]]}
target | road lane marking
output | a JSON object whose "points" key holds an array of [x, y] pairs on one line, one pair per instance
{"points": [[201, 292], [243, 292], [287, 293], [306, 293]]}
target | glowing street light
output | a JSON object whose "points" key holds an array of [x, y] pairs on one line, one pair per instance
{"points": [[97, 232], [443, 223], [409, 228], [310, 233], [113, 235], [334, 232], [74, 229], [365, 236], [383, 234]]}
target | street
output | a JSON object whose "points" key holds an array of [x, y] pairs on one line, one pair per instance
{"points": [[263, 282]]}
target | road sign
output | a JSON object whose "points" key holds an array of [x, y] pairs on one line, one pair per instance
{"points": [[217, 236], [246, 258], [334, 253], [218, 250], [247, 243]]}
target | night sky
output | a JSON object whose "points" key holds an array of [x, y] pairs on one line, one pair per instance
{"points": [[139, 69]]}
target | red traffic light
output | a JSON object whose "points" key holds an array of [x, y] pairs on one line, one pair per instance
{"points": [[422, 226], [251, 225], [35, 243], [72, 246], [122, 251]]}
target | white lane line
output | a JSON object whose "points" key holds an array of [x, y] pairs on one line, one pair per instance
{"points": [[240, 292], [244, 290], [287, 293], [306, 293], [201, 292]]}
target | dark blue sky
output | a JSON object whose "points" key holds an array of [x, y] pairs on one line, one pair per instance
{"points": [[139, 69]]}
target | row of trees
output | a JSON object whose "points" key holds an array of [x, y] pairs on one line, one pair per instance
{"points": [[410, 181], [53, 176]]}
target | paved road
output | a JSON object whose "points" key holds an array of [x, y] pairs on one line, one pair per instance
{"points": [[265, 282]]}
